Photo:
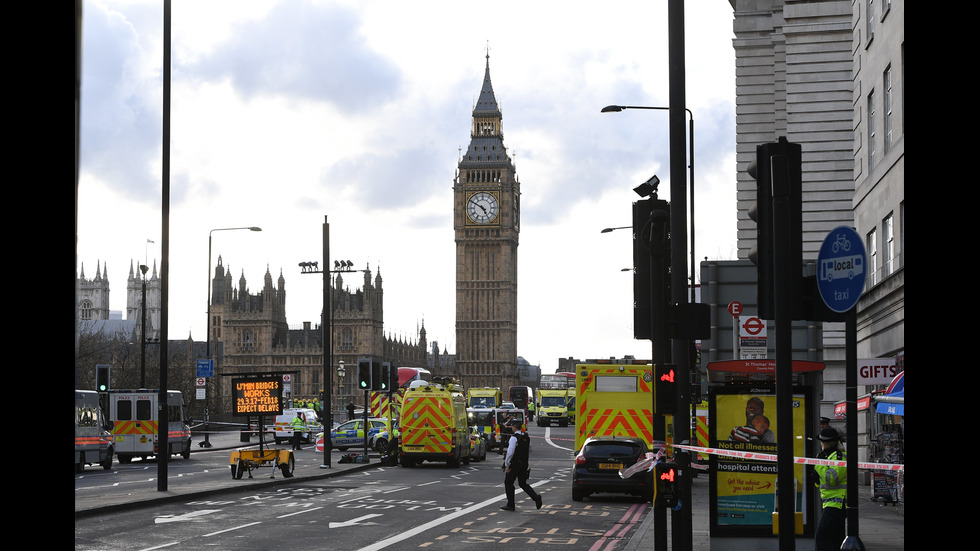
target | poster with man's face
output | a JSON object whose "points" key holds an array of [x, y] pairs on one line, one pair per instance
{"points": [[744, 420]]}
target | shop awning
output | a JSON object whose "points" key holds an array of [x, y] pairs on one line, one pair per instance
{"points": [[892, 401]]}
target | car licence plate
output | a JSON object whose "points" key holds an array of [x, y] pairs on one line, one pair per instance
{"points": [[615, 466]]}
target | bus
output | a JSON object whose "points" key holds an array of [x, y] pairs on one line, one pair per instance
{"points": [[407, 375], [561, 380], [520, 396]]}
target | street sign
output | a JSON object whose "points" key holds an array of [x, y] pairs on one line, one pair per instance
{"points": [[205, 368], [753, 328], [753, 339], [735, 308], [201, 381], [841, 269]]}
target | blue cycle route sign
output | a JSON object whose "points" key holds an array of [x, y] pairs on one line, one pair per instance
{"points": [[205, 368], [841, 269]]}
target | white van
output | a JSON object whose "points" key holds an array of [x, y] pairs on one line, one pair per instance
{"points": [[284, 427]]}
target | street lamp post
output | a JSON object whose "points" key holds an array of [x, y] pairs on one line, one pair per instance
{"points": [[143, 269], [342, 266], [679, 347], [207, 328], [617, 109]]}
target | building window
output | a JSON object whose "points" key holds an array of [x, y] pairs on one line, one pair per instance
{"points": [[85, 310], [872, 246], [868, 11], [871, 130], [887, 107], [888, 244]]}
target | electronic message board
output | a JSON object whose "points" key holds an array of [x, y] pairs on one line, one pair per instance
{"points": [[257, 396]]}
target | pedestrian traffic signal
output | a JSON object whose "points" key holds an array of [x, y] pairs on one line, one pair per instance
{"points": [[664, 389], [102, 378], [364, 368], [667, 481]]}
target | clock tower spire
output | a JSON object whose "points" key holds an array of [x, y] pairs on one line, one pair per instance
{"points": [[486, 195]]}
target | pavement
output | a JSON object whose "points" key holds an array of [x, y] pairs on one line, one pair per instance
{"points": [[881, 527]]}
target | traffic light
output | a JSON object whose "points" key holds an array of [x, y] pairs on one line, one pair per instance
{"points": [[389, 377], [376, 376], [651, 250], [778, 214], [667, 481], [364, 373], [102, 378], [382, 376], [761, 213], [664, 389]]}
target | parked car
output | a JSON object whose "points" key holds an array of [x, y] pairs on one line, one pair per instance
{"points": [[598, 463], [351, 434], [478, 444]]}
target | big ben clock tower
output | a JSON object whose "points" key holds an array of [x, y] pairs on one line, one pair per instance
{"points": [[486, 196]]}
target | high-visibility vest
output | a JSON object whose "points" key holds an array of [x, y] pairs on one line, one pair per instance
{"points": [[833, 481]]}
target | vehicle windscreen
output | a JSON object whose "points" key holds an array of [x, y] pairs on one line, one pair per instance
{"points": [[553, 401], [480, 418], [483, 402]]}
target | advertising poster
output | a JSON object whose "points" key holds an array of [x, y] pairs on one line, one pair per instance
{"points": [[744, 420]]}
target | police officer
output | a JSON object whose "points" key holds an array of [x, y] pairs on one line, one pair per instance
{"points": [[298, 424], [516, 466], [832, 481]]}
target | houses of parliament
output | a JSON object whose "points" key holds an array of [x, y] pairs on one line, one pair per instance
{"points": [[249, 332]]}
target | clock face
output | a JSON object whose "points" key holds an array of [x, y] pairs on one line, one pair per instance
{"points": [[482, 207]]}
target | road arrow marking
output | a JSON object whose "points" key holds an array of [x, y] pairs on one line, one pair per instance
{"points": [[352, 522], [187, 516]]}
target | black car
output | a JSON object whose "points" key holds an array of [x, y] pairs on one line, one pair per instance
{"points": [[598, 463]]}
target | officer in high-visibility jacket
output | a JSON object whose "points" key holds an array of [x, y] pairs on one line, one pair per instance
{"points": [[832, 481], [298, 425]]}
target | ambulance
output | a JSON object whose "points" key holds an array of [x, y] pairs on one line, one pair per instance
{"points": [[552, 407], [433, 425], [135, 427], [93, 441], [614, 399], [486, 397]]}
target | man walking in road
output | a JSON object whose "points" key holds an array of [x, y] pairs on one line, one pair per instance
{"points": [[516, 466]]}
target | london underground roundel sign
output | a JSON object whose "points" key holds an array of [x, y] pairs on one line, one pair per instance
{"points": [[841, 269]]}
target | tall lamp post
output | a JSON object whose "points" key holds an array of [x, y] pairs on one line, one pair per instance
{"points": [[143, 268], [207, 328], [342, 266], [680, 348]]}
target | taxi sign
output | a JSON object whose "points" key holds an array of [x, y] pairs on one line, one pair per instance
{"points": [[841, 269]]}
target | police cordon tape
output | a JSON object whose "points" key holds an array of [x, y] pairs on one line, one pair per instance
{"points": [[797, 460]]}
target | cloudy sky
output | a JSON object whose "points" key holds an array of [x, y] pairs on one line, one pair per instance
{"points": [[284, 112]]}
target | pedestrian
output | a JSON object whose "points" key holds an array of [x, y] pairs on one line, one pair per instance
{"points": [[350, 411], [517, 467], [298, 424], [832, 481]]}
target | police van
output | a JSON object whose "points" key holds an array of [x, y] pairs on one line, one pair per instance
{"points": [[136, 429]]}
